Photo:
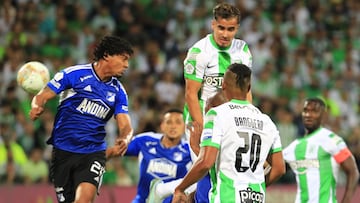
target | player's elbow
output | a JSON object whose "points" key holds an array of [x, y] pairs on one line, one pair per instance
{"points": [[354, 174], [204, 165], [278, 170], [190, 97]]}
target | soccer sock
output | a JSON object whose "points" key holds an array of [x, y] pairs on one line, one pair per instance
{"points": [[166, 189]]}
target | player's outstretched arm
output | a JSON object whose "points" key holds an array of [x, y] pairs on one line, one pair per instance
{"points": [[192, 89], [277, 163], [352, 176], [126, 133], [205, 161], [38, 102]]}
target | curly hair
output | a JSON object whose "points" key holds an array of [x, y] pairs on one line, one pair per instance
{"points": [[112, 45], [242, 75]]}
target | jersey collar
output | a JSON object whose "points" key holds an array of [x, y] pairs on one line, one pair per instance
{"points": [[240, 101]]}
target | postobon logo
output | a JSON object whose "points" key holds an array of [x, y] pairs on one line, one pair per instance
{"points": [[250, 196], [215, 81]]}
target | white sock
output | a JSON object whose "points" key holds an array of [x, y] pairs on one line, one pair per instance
{"points": [[166, 189]]}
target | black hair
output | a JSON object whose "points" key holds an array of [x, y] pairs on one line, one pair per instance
{"points": [[242, 75], [174, 110], [225, 10], [112, 45]]}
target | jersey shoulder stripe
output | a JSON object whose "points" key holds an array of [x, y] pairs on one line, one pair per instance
{"points": [[78, 67], [149, 134]]}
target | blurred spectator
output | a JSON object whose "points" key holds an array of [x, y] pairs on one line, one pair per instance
{"points": [[12, 157], [102, 18], [284, 122], [36, 169], [167, 91], [116, 174]]}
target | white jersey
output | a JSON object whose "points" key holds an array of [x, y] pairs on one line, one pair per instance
{"points": [[206, 62], [244, 137], [314, 160]]}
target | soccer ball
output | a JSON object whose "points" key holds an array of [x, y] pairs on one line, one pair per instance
{"points": [[33, 76]]}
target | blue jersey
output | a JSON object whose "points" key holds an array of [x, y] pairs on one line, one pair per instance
{"points": [[156, 161], [86, 104]]}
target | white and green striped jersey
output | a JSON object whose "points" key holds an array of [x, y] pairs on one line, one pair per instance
{"points": [[314, 160], [206, 62], [244, 137]]}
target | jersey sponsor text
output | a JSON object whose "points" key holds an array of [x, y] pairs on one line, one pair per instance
{"points": [[215, 81], [93, 108], [304, 164], [161, 166]]}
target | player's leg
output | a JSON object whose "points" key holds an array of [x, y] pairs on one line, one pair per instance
{"points": [[85, 192], [88, 176], [60, 170]]}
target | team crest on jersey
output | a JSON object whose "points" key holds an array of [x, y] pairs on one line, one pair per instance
{"points": [[110, 96], [189, 68], [178, 156]]}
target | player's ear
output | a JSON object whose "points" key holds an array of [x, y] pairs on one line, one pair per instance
{"points": [[213, 24], [162, 126], [249, 88]]}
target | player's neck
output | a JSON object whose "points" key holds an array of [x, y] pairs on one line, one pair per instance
{"points": [[168, 142], [99, 72]]}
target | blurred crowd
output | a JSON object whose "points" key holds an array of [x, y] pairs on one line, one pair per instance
{"points": [[300, 48]]}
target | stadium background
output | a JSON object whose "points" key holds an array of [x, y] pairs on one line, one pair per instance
{"points": [[300, 48]]}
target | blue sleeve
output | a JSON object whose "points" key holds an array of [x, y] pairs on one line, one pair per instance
{"points": [[61, 81], [121, 105], [134, 147]]}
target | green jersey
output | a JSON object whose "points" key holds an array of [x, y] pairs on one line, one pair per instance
{"points": [[315, 161], [244, 137], [206, 62]]}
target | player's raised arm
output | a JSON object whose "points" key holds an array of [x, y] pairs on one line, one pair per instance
{"points": [[352, 177], [277, 164], [126, 132], [38, 102]]}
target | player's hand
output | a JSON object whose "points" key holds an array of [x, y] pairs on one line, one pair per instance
{"points": [[120, 146], [179, 197], [111, 152], [267, 168], [36, 110], [195, 129]]}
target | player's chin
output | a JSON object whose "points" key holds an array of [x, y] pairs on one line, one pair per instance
{"points": [[174, 136], [224, 43], [118, 75]]}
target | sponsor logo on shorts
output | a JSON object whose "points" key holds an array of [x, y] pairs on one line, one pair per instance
{"points": [[249, 196]]}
